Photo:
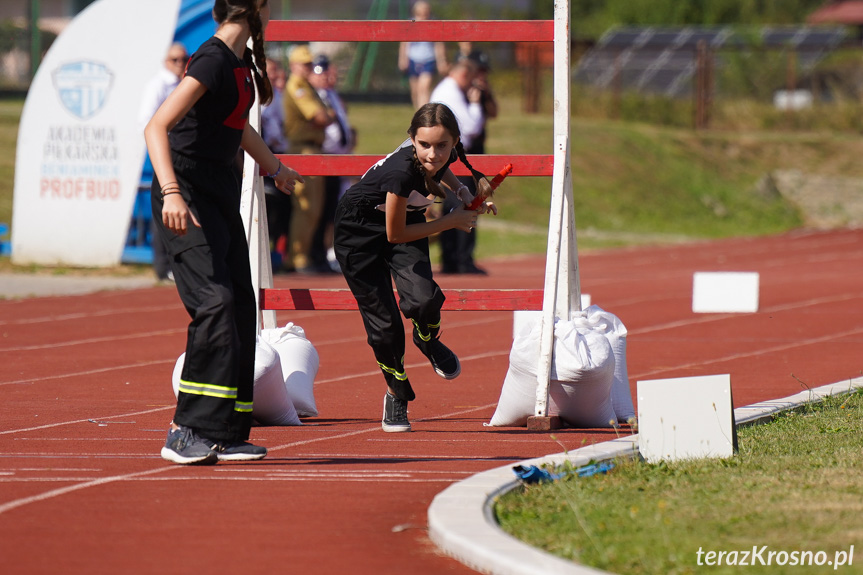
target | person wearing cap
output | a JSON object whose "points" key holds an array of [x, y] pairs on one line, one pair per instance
{"points": [[273, 132], [338, 139], [306, 120]]}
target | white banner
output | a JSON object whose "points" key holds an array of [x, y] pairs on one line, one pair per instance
{"points": [[80, 148]]}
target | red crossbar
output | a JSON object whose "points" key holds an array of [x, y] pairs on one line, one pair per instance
{"points": [[356, 165], [456, 299], [410, 31]]}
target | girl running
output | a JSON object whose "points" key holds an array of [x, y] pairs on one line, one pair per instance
{"points": [[381, 233]]}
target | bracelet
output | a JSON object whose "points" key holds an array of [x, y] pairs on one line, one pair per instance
{"points": [[169, 193], [168, 184], [458, 191], [278, 171]]}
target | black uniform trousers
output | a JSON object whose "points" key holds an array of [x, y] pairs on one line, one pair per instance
{"points": [[213, 277], [369, 261]]}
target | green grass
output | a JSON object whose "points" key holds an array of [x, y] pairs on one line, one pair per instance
{"points": [[795, 485], [632, 182], [10, 113], [629, 180]]}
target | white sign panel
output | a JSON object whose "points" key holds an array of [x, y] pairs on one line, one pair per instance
{"points": [[686, 418], [725, 292], [80, 148]]}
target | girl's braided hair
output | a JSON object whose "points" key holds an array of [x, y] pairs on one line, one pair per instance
{"points": [[437, 114], [249, 11]]}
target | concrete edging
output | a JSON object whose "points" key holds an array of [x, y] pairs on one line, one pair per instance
{"points": [[461, 518]]}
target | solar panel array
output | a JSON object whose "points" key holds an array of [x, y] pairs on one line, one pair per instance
{"points": [[663, 60]]}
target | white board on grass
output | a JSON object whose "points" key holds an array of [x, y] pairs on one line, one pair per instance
{"points": [[686, 418], [725, 292]]}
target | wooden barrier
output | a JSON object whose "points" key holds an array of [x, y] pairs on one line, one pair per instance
{"points": [[562, 292]]}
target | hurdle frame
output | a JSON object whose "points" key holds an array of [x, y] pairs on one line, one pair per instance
{"points": [[561, 294]]}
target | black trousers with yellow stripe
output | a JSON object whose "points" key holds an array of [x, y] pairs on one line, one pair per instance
{"points": [[370, 264], [213, 277]]}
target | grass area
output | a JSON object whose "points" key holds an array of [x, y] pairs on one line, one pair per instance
{"points": [[632, 182], [794, 486], [10, 114]]}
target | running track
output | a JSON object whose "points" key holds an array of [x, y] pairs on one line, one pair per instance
{"points": [[87, 400]]}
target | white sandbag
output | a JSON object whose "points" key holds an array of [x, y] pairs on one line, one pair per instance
{"points": [[178, 371], [272, 406], [299, 360], [581, 378], [582, 374], [615, 331]]}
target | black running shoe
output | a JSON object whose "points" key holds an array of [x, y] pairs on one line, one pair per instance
{"points": [[443, 360], [185, 447], [395, 414], [238, 451]]}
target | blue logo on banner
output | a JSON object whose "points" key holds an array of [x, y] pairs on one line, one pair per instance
{"points": [[83, 87]]}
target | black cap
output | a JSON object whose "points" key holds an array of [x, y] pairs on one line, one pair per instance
{"points": [[481, 59], [320, 64]]}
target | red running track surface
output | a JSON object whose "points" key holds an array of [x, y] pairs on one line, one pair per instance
{"points": [[87, 402]]}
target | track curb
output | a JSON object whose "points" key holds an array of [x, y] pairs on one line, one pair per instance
{"points": [[461, 518]]}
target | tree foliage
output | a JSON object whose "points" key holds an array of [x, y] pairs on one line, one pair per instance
{"points": [[591, 18]]}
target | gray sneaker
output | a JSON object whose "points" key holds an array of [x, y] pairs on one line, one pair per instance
{"points": [[239, 451], [185, 447], [395, 414]]}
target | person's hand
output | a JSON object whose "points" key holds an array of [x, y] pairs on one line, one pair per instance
{"points": [[287, 178], [487, 207], [474, 95], [176, 214], [461, 219]]}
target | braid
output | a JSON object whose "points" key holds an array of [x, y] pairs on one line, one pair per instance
{"points": [[262, 81], [483, 187]]}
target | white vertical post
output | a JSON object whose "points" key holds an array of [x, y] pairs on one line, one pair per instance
{"points": [[562, 292], [254, 213]]}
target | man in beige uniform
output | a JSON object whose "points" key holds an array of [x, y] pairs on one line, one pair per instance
{"points": [[306, 117]]}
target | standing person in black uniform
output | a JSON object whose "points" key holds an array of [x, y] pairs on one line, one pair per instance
{"points": [[381, 233], [194, 139]]}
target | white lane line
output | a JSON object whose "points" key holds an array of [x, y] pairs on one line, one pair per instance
{"points": [[15, 503], [86, 315], [92, 371], [724, 316], [60, 423], [110, 339], [774, 349]]}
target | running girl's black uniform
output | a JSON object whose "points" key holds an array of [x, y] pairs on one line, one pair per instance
{"points": [[368, 260], [211, 263]]}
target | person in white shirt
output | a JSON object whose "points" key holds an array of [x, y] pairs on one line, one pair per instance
{"points": [[163, 83], [156, 92], [458, 92]]}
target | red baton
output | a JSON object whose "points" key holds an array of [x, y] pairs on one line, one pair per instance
{"points": [[495, 182]]}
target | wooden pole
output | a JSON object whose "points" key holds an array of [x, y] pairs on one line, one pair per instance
{"points": [[562, 291]]}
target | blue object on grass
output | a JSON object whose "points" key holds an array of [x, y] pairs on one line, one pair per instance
{"points": [[533, 474]]}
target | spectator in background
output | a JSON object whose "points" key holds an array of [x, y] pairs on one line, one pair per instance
{"points": [[420, 59], [306, 119], [472, 104], [339, 138], [156, 91], [273, 133]]}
